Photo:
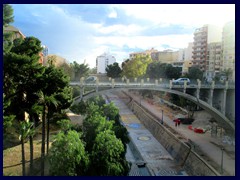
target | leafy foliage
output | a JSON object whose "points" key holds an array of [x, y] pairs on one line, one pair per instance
{"points": [[162, 70], [7, 14], [113, 70], [79, 70], [136, 67], [67, 155], [195, 73], [106, 155]]}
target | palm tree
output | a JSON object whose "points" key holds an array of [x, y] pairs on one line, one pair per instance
{"points": [[35, 109], [44, 100], [25, 131]]}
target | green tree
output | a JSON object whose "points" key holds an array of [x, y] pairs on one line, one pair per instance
{"points": [[110, 111], [136, 67], [25, 131], [113, 70], [67, 156], [44, 100], [7, 19], [195, 73], [92, 126], [106, 157], [79, 70], [21, 71], [7, 14]]}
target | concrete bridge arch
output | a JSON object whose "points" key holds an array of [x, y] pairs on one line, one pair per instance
{"points": [[221, 119]]}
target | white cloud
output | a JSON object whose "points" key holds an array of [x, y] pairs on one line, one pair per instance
{"points": [[120, 29], [185, 14], [112, 14], [77, 40]]}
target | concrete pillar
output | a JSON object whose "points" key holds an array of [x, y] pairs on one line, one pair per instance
{"points": [[198, 88], [148, 79], [170, 84], [81, 91], [211, 97], [224, 101], [97, 83], [127, 82], [156, 82], [113, 83], [109, 78], [81, 81], [211, 93], [135, 79], [142, 82], [185, 87], [160, 80], [122, 79]]}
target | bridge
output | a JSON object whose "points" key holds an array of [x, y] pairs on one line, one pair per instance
{"points": [[180, 90]]}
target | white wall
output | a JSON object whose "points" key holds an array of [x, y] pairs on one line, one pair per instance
{"points": [[103, 61]]}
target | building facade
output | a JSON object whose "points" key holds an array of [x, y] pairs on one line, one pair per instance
{"points": [[103, 61], [228, 48], [202, 38], [150, 52], [214, 56]]}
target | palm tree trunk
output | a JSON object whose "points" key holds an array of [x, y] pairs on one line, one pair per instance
{"points": [[49, 114], [43, 140], [47, 134], [31, 153], [23, 158], [31, 147]]}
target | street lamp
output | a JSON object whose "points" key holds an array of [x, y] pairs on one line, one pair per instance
{"points": [[222, 160], [162, 117]]}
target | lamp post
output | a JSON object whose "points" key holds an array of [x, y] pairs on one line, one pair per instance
{"points": [[162, 117], [222, 161]]}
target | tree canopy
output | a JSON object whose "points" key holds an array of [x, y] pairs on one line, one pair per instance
{"points": [[163, 70], [136, 67], [113, 70]]}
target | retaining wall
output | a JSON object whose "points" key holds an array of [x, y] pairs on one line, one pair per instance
{"points": [[192, 163]]}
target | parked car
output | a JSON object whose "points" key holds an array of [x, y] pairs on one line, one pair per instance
{"points": [[181, 81], [184, 120], [91, 79]]}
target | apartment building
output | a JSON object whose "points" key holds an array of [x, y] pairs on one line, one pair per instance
{"points": [[16, 33], [103, 61], [214, 56], [143, 53], [202, 38], [228, 48]]}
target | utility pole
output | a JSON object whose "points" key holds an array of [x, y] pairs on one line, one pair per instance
{"points": [[222, 161], [162, 117]]}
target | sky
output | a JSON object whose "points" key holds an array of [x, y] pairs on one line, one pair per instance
{"points": [[81, 32]]}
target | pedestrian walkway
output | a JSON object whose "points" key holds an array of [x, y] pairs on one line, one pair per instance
{"points": [[158, 161], [208, 144]]}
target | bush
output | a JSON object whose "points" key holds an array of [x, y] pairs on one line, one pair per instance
{"points": [[67, 155]]}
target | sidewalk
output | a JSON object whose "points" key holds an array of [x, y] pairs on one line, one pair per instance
{"points": [[209, 145]]}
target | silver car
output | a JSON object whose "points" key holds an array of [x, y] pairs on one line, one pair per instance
{"points": [[180, 81]]}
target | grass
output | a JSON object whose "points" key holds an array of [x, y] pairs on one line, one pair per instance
{"points": [[12, 157]]}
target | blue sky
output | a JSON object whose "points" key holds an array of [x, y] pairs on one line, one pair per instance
{"points": [[81, 32]]}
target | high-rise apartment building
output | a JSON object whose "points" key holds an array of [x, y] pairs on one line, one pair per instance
{"points": [[202, 38], [228, 48], [103, 61], [214, 56]]}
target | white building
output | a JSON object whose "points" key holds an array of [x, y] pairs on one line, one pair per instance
{"points": [[103, 61]]}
